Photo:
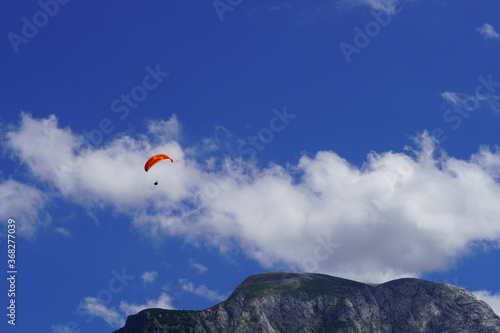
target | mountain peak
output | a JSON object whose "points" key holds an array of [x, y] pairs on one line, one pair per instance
{"points": [[284, 283]]}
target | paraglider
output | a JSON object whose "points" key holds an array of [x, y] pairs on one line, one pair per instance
{"points": [[155, 159]]}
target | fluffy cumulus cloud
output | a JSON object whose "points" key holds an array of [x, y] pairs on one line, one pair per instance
{"points": [[488, 32], [149, 277], [24, 204], [400, 214], [92, 175]]}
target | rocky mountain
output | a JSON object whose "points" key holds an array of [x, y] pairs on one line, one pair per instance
{"points": [[303, 302]]}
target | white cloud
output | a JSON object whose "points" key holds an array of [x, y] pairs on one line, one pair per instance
{"points": [[165, 130], [163, 302], [493, 300], [149, 277], [451, 98], [96, 308], [388, 6], [384, 5], [199, 267], [116, 317], [24, 204], [110, 174], [60, 328], [324, 10], [488, 32], [490, 162], [44, 148], [400, 214], [63, 231], [201, 290], [467, 103]]}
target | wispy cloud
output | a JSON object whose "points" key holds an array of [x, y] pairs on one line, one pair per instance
{"points": [[201, 290], [61, 328], [488, 32], [429, 206], [199, 267], [63, 231], [115, 317], [387, 6], [469, 103], [325, 10], [452, 98]]}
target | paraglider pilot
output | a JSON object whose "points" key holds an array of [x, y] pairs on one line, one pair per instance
{"points": [[155, 159]]}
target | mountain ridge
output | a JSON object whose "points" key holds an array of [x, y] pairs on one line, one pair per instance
{"points": [[308, 302]]}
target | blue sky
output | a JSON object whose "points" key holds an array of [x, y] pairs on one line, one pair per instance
{"points": [[352, 138]]}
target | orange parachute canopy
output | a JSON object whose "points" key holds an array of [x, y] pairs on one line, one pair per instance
{"points": [[155, 159]]}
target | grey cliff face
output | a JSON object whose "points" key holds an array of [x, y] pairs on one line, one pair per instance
{"points": [[292, 302]]}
